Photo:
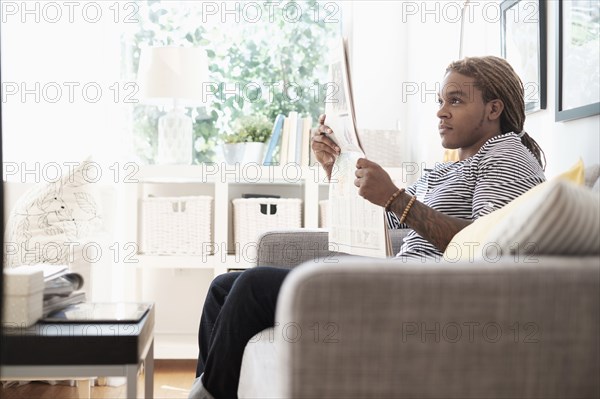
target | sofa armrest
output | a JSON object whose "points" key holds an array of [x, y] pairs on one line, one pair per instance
{"points": [[388, 328], [289, 248]]}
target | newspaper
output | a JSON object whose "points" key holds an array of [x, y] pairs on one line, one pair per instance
{"points": [[61, 287], [357, 226], [58, 280]]}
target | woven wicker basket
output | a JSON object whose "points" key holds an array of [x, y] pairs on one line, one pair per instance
{"points": [[176, 225], [253, 216]]}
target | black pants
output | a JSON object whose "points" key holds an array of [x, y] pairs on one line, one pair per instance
{"points": [[238, 306]]}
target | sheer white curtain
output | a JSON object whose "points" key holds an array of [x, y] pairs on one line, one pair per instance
{"points": [[63, 98], [64, 101]]}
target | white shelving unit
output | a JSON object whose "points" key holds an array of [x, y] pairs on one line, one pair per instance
{"points": [[178, 284]]}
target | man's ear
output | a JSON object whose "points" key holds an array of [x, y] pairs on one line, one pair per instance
{"points": [[495, 109]]}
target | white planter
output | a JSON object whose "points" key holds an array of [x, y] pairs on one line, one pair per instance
{"points": [[244, 153]]}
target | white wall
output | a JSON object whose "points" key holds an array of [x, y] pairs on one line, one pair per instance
{"points": [[378, 63], [376, 51], [408, 44], [397, 59], [563, 142]]}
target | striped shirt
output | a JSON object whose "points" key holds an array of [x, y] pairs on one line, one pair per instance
{"points": [[500, 171]]}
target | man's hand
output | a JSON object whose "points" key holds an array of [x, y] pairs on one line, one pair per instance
{"points": [[374, 184], [326, 151]]}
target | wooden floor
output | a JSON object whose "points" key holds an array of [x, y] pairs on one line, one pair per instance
{"points": [[172, 380]]}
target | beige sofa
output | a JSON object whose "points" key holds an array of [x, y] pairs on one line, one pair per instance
{"points": [[365, 328], [350, 327]]}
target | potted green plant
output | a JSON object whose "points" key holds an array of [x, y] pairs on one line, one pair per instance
{"points": [[246, 143]]}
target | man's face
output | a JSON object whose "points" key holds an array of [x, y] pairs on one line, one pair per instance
{"points": [[465, 122]]}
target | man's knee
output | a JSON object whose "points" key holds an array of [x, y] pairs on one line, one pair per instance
{"points": [[260, 280], [225, 280], [221, 285]]}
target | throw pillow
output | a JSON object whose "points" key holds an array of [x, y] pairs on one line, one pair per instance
{"points": [[575, 174], [48, 222], [555, 217]]}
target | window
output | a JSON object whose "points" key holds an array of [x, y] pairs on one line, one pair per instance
{"points": [[69, 71], [265, 58]]}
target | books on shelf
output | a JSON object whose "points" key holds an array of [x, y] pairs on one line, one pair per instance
{"points": [[285, 140], [292, 137], [290, 140], [274, 140], [305, 143], [295, 140]]}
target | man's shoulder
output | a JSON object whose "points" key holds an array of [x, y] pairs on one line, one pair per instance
{"points": [[507, 150], [502, 143]]}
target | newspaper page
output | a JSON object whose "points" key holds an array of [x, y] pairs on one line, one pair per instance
{"points": [[357, 226]]}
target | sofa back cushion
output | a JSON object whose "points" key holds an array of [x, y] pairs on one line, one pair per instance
{"points": [[558, 217]]}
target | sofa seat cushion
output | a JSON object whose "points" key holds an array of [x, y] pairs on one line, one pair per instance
{"points": [[260, 377]]}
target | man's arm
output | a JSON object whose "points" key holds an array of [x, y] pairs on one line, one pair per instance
{"points": [[375, 185], [432, 225]]}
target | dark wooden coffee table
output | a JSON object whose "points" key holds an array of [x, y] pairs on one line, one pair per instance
{"points": [[71, 350]]}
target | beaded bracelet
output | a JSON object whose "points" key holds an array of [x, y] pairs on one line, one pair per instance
{"points": [[405, 213], [393, 198]]}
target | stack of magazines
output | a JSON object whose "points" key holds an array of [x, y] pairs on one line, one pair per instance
{"points": [[61, 288]]}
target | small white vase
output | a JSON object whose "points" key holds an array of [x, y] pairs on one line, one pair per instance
{"points": [[244, 153]]}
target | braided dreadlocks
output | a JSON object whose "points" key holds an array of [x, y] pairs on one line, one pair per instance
{"points": [[497, 80]]}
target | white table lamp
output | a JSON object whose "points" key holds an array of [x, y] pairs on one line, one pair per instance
{"points": [[173, 75]]}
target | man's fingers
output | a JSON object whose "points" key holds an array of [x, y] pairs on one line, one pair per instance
{"points": [[320, 149], [361, 163], [321, 142], [322, 118], [321, 130]]}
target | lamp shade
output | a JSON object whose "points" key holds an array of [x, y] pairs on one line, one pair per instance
{"points": [[168, 73]]}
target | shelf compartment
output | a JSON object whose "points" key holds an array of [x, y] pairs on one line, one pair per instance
{"points": [[176, 225]]}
